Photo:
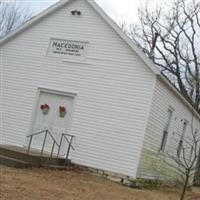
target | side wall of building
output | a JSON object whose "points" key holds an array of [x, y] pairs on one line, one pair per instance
{"points": [[114, 88], [151, 163]]}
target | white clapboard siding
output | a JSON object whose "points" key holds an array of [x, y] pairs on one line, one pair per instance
{"points": [[114, 88], [163, 98]]}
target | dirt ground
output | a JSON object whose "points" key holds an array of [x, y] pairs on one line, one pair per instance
{"points": [[44, 184]]}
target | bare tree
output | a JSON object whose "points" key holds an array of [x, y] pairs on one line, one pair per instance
{"points": [[184, 161], [12, 15], [197, 174], [171, 37]]}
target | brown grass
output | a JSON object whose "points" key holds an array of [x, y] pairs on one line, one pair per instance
{"points": [[44, 184]]}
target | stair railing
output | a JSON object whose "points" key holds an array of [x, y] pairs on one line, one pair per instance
{"points": [[69, 141], [47, 132]]}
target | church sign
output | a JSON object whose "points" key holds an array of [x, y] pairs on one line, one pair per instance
{"points": [[67, 48]]}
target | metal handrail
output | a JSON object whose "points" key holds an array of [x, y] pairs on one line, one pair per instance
{"points": [[64, 135], [43, 145], [69, 142], [37, 133]]}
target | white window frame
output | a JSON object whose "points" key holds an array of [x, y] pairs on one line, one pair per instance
{"points": [[180, 144], [168, 121]]}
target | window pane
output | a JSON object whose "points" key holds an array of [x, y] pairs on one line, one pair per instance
{"points": [[164, 141], [184, 129], [166, 129], [168, 120], [180, 145]]}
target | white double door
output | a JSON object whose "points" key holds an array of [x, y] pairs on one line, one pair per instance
{"points": [[52, 121]]}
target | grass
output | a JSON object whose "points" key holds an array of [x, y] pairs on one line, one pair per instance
{"points": [[45, 184]]}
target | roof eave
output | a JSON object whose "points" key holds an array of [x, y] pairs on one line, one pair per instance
{"points": [[179, 95], [118, 30], [34, 20]]}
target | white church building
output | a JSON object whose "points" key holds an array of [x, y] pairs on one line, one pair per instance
{"points": [[72, 70]]}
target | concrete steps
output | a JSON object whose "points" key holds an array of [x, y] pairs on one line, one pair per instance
{"points": [[11, 162], [17, 157]]}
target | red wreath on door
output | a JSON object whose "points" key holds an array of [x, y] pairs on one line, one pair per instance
{"points": [[45, 109], [62, 111]]}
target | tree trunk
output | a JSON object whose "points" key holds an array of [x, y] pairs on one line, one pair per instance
{"points": [[185, 187]]}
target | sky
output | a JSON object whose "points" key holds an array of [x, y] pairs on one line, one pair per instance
{"points": [[119, 10]]}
